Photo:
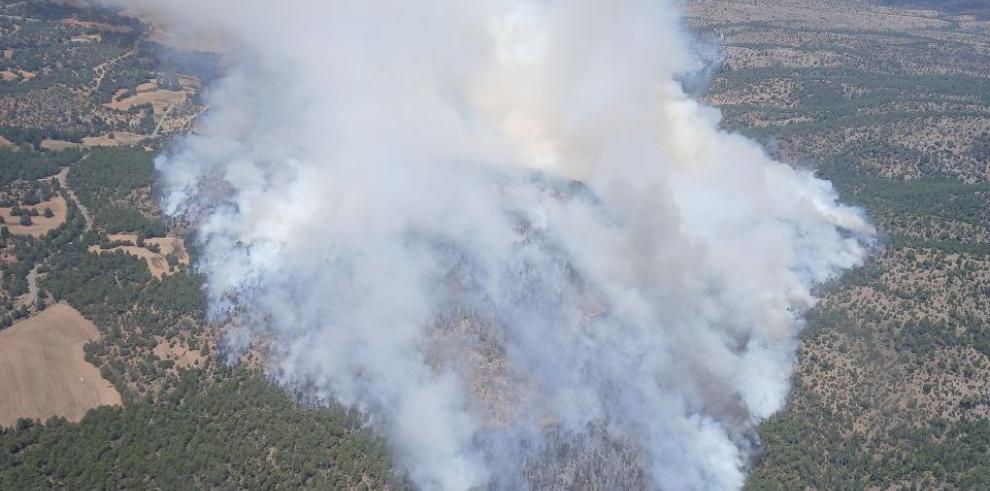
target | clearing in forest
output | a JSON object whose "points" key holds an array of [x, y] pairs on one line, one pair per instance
{"points": [[157, 261], [114, 139], [43, 370], [40, 224], [149, 93], [179, 352]]}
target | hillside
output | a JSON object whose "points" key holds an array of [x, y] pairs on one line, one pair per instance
{"points": [[892, 384], [893, 378], [976, 8]]}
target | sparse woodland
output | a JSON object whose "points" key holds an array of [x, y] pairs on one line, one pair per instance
{"points": [[892, 389]]}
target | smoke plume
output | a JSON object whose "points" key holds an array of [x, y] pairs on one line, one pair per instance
{"points": [[503, 231]]}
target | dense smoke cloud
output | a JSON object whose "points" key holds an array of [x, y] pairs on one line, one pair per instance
{"points": [[503, 231]]}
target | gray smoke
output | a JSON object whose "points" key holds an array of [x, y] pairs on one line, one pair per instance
{"points": [[503, 231]]}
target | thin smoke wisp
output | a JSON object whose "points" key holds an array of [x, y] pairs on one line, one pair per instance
{"points": [[503, 231]]}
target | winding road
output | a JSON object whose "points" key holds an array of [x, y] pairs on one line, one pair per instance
{"points": [[63, 180], [31, 296]]}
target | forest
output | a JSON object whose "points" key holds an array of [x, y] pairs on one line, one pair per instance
{"points": [[109, 182], [268, 441]]}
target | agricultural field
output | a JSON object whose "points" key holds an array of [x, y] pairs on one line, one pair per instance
{"points": [[43, 369]]}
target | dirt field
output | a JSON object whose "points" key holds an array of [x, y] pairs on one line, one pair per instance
{"points": [[8, 75], [43, 372], [157, 262], [98, 25], [151, 94], [190, 82], [120, 138], [183, 356], [58, 145], [41, 225], [87, 38]]}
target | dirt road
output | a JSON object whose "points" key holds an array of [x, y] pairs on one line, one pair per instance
{"points": [[63, 180]]}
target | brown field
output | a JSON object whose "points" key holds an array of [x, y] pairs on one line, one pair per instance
{"points": [[183, 356], [20, 74], [58, 145], [190, 82], [98, 25], [149, 93], [87, 38], [120, 138], [43, 371], [40, 225], [157, 262]]}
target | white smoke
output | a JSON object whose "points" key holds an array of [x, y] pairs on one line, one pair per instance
{"points": [[501, 228]]}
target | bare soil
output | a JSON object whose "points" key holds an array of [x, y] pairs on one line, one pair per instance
{"points": [[43, 371], [40, 224], [157, 262], [120, 138], [158, 98], [181, 354], [98, 25]]}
